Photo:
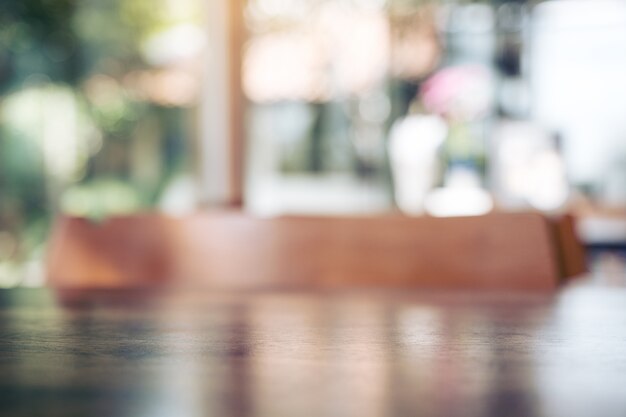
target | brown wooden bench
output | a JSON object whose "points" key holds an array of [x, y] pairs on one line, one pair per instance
{"points": [[233, 250]]}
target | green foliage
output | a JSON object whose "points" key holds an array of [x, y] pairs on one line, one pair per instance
{"points": [[85, 48]]}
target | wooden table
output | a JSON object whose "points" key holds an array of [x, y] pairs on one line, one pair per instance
{"points": [[364, 353]]}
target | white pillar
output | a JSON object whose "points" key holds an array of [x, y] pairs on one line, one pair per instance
{"points": [[216, 144]]}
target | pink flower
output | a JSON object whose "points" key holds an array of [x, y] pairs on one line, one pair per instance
{"points": [[459, 93]]}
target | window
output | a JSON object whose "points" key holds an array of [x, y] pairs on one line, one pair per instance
{"points": [[96, 114]]}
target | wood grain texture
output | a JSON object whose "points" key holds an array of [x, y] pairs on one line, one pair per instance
{"points": [[412, 353], [235, 250]]}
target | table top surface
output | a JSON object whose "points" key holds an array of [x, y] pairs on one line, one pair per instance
{"points": [[360, 353]]}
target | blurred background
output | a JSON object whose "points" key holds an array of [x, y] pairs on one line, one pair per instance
{"points": [[352, 107]]}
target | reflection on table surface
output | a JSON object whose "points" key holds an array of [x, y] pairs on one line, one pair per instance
{"points": [[185, 353]]}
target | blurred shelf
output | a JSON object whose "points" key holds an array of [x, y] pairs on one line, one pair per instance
{"points": [[603, 232]]}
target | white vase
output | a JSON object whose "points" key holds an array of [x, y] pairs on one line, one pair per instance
{"points": [[413, 152]]}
